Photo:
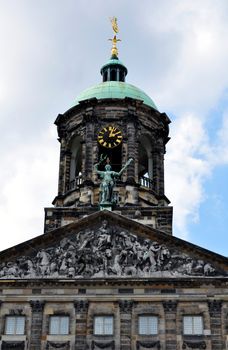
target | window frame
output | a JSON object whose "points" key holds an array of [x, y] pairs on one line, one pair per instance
{"points": [[155, 317], [193, 331], [103, 325], [15, 325], [59, 317]]}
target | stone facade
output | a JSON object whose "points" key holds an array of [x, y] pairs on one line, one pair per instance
{"points": [[125, 302], [38, 292]]}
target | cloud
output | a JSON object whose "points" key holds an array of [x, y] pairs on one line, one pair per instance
{"points": [[29, 181]]}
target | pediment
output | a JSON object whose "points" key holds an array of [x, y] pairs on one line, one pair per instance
{"points": [[107, 245]]}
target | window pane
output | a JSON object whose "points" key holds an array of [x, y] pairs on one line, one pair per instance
{"points": [[103, 325], [193, 325], [15, 325], [98, 325], [197, 325], [108, 325], [148, 325], [54, 325], [64, 325], [10, 325], [59, 325], [20, 325], [187, 325]]}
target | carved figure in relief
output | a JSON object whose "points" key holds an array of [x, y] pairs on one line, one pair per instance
{"points": [[208, 269], [43, 262], [106, 252]]}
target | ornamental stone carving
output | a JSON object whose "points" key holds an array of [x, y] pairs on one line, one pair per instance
{"points": [[148, 345], [126, 305], [15, 345], [106, 252], [170, 305], [191, 344], [81, 305], [37, 305], [58, 345], [103, 345], [215, 307]]}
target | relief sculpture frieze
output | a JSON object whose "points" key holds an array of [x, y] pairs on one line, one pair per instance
{"points": [[103, 252]]}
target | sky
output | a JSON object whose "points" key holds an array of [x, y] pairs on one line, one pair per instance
{"points": [[175, 50]]}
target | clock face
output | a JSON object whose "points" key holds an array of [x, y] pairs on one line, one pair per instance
{"points": [[110, 137]]}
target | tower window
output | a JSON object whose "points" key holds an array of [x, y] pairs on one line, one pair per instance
{"points": [[103, 325], [15, 325], [113, 75], [59, 325], [193, 325], [148, 325]]}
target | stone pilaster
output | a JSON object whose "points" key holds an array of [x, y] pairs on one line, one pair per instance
{"points": [[170, 308], [36, 324], [158, 168], [215, 307], [61, 168], [89, 148], [67, 169], [125, 324], [81, 311], [131, 149]]}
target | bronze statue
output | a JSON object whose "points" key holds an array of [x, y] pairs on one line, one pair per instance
{"points": [[108, 180]]}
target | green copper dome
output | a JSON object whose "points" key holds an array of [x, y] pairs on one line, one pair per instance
{"points": [[115, 89]]}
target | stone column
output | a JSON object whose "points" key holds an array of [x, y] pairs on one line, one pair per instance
{"points": [[36, 324], [89, 148], [215, 307], [131, 149], [125, 324], [170, 324], [158, 168], [61, 168], [81, 311]]}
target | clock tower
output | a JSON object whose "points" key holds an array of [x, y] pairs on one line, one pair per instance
{"points": [[111, 123]]}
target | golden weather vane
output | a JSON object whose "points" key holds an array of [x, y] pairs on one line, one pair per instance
{"points": [[114, 40]]}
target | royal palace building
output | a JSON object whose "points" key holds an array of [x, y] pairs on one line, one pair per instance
{"points": [[107, 273]]}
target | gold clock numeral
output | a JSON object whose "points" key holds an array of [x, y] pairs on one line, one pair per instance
{"points": [[109, 136]]}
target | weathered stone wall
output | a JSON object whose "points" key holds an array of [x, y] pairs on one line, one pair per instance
{"points": [[156, 217], [38, 301]]}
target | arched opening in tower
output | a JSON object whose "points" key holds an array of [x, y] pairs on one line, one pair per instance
{"points": [[76, 162], [113, 156], [145, 167], [113, 75]]}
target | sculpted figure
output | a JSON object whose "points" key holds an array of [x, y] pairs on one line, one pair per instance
{"points": [[108, 180]]}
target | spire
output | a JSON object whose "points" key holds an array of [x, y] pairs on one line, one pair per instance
{"points": [[114, 40], [114, 69]]}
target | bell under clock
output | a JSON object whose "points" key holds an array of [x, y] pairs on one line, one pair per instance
{"points": [[109, 137]]}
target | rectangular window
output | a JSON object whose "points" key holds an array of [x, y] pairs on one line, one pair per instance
{"points": [[103, 325], [193, 325], [59, 325], [148, 325], [15, 325]]}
